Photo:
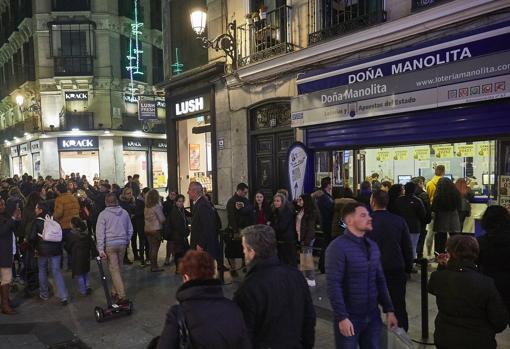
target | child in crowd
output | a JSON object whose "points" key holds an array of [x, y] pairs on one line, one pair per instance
{"points": [[82, 248]]}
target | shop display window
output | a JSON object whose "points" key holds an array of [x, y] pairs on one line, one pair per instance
{"points": [[195, 152], [159, 169], [135, 162], [16, 166], [84, 162], [26, 164]]}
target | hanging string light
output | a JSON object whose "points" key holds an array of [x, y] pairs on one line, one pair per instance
{"points": [[135, 52]]}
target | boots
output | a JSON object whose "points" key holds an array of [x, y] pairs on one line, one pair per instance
{"points": [[6, 308]]}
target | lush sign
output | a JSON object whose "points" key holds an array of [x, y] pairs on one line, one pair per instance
{"points": [[147, 110]]}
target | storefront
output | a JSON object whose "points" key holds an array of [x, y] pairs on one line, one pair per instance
{"points": [[402, 113], [25, 159], [192, 121], [15, 161], [79, 154], [35, 147], [135, 157], [159, 163]]}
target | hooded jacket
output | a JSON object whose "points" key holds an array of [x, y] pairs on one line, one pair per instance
{"points": [[113, 228]]}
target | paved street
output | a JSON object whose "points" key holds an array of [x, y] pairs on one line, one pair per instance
{"points": [[48, 324]]}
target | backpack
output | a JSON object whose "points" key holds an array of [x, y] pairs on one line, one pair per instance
{"points": [[52, 231]]}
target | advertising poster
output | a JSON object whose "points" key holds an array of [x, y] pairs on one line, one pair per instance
{"points": [[465, 150], [422, 153], [504, 186], [194, 157], [382, 155], [443, 151], [401, 154], [483, 149], [505, 201]]}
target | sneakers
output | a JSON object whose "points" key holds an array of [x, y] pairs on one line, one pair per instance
{"points": [[311, 283], [44, 298], [64, 302]]}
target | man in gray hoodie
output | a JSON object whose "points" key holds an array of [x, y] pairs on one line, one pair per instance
{"points": [[113, 233]]}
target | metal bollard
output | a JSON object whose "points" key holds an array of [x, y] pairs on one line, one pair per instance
{"points": [[424, 299]]}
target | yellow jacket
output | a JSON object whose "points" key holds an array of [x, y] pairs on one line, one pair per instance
{"points": [[66, 207], [432, 186]]}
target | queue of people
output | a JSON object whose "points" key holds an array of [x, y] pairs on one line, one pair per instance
{"points": [[366, 246]]}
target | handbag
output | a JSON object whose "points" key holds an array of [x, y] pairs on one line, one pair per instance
{"points": [[182, 327]]}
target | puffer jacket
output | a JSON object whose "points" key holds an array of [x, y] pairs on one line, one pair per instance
{"points": [[113, 228], [66, 207], [154, 218], [355, 279]]}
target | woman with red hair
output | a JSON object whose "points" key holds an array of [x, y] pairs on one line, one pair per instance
{"points": [[212, 320]]}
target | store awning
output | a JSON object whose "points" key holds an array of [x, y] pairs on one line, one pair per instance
{"points": [[449, 124]]}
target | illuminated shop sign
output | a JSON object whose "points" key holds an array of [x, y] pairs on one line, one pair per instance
{"points": [[78, 143], [135, 143], [191, 106], [76, 96]]}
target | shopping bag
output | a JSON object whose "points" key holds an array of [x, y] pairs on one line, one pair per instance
{"points": [[395, 339]]}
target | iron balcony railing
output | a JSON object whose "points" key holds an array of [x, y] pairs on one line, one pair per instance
{"points": [[265, 35], [84, 121], [418, 5], [330, 18], [73, 65]]}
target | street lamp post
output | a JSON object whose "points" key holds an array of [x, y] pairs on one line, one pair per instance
{"points": [[226, 42]]}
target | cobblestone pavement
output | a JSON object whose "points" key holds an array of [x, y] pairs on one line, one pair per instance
{"points": [[47, 324]]}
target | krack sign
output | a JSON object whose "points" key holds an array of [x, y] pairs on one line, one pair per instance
{"points": [[78, 143], [76, 96]]}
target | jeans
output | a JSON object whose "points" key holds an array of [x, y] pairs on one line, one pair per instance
{"points": [[421, 243], [143, 246], [307, 263], [66, 235], [57, 276], [415, 238], [83, 282], [367, 333], [115, 257]]}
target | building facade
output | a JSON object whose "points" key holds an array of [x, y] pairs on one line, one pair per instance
{"points": [[71, 76], [367, 85]]}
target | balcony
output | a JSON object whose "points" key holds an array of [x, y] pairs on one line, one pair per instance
{"points": [[68, 6], [262, 38], [73, 65], [331, 18], [84, 121], [418, 5]]}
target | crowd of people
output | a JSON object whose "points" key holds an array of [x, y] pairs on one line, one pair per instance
{"points": [[366, 245]]}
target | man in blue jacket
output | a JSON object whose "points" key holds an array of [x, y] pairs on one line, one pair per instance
{"points": [[356, 284]]}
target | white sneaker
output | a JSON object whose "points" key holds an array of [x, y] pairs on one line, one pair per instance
{"points": [[311, 283]]}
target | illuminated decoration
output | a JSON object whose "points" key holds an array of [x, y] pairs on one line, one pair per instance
{"points": [[135, 52], [177, 66]]}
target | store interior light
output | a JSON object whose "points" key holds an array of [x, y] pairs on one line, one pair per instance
{"points": [[107, 132], [75, 129], [15, 138], [138, 133], [19, 100]]}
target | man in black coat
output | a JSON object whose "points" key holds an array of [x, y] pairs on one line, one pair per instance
{"points": [[239, 211], [326, 204], [424, 197], [391, 234], [204, 235], [7, 245], [274, 298]]}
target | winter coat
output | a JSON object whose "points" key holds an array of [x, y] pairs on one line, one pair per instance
{"points": [[66, 207], [391, 234], [255, 214], [446, 222], [355, 278], [364, 197], [113, 228], [178, 226], [307, 228], [82, 248], [283, 223], [99, 204], [411, 208], [494, 261], [239, 219], [423, 196], [139, 215], [129, 206], [7, 227], [201, 303], [154, 218], [470, 309], [204, 228], [27, 218], [326, 204], [43, 248], [432, 186], [277, 306]]}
